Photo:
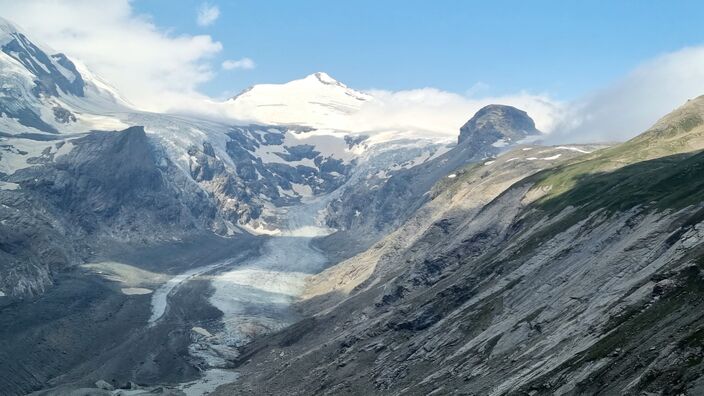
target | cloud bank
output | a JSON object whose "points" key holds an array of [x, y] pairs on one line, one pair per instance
{"points": [[632, 104]]}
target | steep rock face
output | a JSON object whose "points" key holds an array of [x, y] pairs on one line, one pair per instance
{"points": [[471, 188], [251, 170], [569, 281], [494, 123], [33, 244]]}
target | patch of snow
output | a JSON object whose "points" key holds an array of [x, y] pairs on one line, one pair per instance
{"points": [[201, 331], [135, 291], [530, 139], [452, 176], [577, 149], [64, 149], [553, 157], [8, 186], [16, 156], [260, 229], [489, 162], [302, 190], [286, 193], [501, 143], [100, 122]]}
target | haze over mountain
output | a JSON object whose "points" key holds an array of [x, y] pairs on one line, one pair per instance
{"points": [[311, 238]]}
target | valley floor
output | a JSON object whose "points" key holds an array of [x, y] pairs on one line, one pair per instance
{"points": [[87, 328], [169, 317]]}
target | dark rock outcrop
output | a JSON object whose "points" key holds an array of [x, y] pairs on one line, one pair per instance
{"points": [[496, 122]]}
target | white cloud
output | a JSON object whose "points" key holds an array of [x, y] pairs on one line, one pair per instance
{"points": [[207, 14], [153, 68], [243, 64], [632, 104]]}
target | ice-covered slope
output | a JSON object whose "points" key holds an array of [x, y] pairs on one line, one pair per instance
{"points": [[41, 90]]}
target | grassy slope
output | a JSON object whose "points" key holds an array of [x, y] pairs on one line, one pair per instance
{"points": [[654, 153], [661, 169]]}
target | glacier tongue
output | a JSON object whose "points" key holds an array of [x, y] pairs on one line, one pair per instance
{"points": [[255, 295]]}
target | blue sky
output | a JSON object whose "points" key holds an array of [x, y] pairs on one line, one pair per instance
{"points": [[563, 48]]}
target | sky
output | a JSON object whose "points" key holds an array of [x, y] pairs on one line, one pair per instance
{"points": [[590, 70]]}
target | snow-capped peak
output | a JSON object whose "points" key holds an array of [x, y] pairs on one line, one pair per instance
{"points": [[316, 100], [324, 78]]}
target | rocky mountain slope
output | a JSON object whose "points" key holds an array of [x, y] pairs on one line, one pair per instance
{"points": [[581, 275], [74, 156]]}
